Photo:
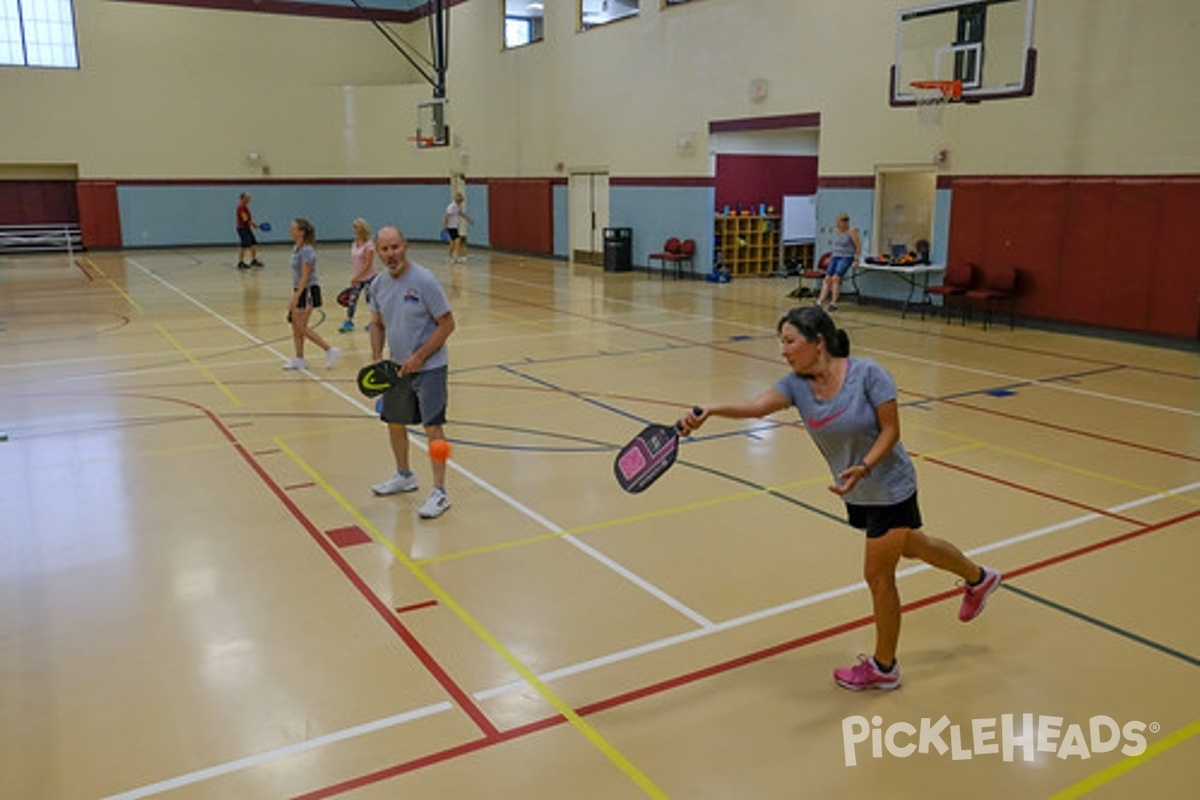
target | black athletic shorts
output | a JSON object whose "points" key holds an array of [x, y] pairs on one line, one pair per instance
{"points": [[310, 297], [246, 236], [878, 520]]}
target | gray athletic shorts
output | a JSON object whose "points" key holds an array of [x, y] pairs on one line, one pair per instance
{"points": [[420, 398]]}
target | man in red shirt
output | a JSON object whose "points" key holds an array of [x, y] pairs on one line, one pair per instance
{"points": [[245, 230]]}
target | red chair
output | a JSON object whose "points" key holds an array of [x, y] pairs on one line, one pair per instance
{"points": [[687, 252], [675, 253], [999, 286], [669, 253], [956, 283]]}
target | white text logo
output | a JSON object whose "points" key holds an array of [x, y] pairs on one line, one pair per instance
{"points": [[992, 736]]}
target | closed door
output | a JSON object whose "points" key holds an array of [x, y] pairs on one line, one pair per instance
{"points": [[587, 209]]}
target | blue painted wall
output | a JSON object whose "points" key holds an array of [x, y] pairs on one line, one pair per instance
{"points": [[656, 213], [562, 236], [172, 215]]}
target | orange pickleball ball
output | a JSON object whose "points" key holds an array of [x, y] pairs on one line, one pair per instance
{"points": [[439, 450]]}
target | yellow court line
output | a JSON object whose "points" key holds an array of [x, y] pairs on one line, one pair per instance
{"points": [[1087, 473], [192, 359], [195, 362], [113, 284], [612, 523], [444, 597], [1093, 782]]}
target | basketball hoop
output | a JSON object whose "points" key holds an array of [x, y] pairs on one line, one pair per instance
{"points": [[931, 98]]}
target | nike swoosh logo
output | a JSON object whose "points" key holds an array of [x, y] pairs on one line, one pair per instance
{"points": [[815, 423], [369, 382]]}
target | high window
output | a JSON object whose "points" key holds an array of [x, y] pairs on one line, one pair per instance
{"points": [[38, 33], [523, 22]]}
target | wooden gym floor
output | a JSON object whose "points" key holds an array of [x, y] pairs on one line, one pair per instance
{"points": [[201, 598]]}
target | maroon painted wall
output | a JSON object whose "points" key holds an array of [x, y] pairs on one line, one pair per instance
{"points": [[99, 214], [1108, 252], [37, 202], [521, 215], [750, 179]]}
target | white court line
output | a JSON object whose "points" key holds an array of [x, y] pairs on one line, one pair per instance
{"points": [[512, 502], [1056, 385], [616, 657], [756, 616], [282, 752]]}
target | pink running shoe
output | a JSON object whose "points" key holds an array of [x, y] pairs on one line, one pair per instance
{"points": [[865, 675], [976, 596]]}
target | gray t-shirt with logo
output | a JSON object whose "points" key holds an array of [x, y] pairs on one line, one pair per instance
{"points": [[410, 306], [304, 254], [845, 427]]}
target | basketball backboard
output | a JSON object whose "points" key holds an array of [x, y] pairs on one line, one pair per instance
{"points": [[986, 44], [432, 128]]}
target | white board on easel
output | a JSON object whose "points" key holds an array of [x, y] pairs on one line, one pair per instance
{"points": [[799, 218]]}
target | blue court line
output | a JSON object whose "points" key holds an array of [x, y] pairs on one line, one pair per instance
{"points": [[578, 396], [1009, 387], [684, 463], [1099, 623]]}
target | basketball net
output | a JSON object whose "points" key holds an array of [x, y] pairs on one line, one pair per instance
{"points": [[931, 98], [930, 105]]}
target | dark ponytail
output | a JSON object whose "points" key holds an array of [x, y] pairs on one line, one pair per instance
{"points": [[813, 323]]}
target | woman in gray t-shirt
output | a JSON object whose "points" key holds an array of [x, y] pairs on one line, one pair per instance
{"points": [[849, 407], [306, 295]]}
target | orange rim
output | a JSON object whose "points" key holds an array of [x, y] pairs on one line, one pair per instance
{"points": [[951, 90]]}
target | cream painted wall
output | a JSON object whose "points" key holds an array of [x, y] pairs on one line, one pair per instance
{"points": [[1115, 88], [167, 92]]}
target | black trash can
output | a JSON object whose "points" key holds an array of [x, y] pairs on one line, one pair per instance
{"points": [[618, 249]]}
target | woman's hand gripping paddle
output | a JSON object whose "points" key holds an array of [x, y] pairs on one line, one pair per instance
{"points": [[648, 455]]}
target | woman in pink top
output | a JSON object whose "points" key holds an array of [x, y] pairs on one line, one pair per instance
{"points": [[362, 268]]}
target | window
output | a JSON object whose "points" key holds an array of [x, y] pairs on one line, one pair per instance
{"points": [[38, 33], [523, 22], [602, 12]]}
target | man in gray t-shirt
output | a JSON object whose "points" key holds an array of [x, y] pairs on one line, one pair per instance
{"points": [[410, 312]]}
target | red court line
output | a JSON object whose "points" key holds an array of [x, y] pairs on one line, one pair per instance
{"points": [[348, 536], [1065, 429], [719, 668], [461, 698], [1030, 490], [921, 395], [416, 606]]}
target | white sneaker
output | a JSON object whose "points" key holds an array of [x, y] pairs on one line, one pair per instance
{"points": [[436, 505], [396, 484], [331, 356], [296, 363]]}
